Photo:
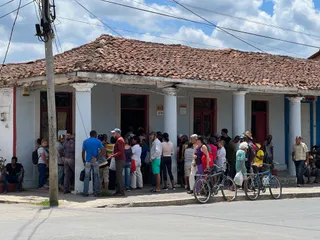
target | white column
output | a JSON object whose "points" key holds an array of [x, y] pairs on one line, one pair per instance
{"points": [[294, 129], [83, 127], [239, 113], [170, 122]]}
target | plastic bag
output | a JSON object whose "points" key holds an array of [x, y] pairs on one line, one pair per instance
{"points": [[113, 164], [238, 179]]}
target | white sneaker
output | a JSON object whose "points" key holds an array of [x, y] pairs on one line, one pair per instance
{"points": [[46, 186]]}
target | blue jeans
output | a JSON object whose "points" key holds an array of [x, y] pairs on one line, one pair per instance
{"points": [[91, 167], [42, 174], [127, 175], [299, 171], [11, 179]]}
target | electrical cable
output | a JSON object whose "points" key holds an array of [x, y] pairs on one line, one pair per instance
{"points": [[10, 37], [211, 27], [180, 40], [17, 9], [246, 20], [6, 3], [216, 26], [98, 18], [140, 33]]}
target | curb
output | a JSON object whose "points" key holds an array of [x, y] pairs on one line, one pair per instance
{"points": [[183, 202]]}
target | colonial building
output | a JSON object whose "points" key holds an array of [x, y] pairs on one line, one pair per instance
{"points": [[116, 82]]}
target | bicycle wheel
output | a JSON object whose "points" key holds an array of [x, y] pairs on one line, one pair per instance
{"points": [[275, 187], [228, 189], [251, 187], [202, 190]]}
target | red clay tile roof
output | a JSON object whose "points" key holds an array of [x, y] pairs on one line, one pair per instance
{"points": [[108, 54]]}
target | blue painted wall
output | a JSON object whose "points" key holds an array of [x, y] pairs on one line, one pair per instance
{"points": [[287, 121], [318, 122]]}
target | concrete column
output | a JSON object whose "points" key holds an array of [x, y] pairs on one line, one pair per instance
{"points": [[294, 128], [239, 113], [170, 122], [83, 127]]}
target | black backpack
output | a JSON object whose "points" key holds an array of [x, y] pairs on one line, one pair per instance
{"points": [[35, 157]]}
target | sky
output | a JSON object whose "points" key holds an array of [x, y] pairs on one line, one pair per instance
{"points": [[252, 16]]}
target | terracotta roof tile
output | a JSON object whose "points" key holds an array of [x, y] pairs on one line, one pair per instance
{"points": [[108, 54]]}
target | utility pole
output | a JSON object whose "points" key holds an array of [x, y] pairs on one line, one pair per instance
{"points": [[47, 35]]}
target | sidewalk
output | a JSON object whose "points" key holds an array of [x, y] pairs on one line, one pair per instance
{"points": [[141, 198]]}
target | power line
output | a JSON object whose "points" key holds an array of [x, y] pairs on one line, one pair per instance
{"points": [[6, 3], [216, 26], [179, 40], [141, 33], [248, 20], [98, 18], [209, 25], [11, 34], [57, 39], [17, 9]]}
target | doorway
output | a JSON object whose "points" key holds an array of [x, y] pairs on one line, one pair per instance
{"points": [[259, 120], [63, 111], [204, 122], [134, 112]]}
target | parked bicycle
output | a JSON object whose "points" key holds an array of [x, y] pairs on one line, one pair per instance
{"points": [[208, 184], [259, 182]]}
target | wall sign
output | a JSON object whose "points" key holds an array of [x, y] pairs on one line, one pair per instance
{"points": [[183, 109], [159, 110]]}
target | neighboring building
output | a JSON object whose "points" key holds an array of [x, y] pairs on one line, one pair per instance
{"points": [[116, 82], [315, 56]]}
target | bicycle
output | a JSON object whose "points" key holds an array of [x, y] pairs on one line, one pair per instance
{"points": [[208, 184], [257, 182]]}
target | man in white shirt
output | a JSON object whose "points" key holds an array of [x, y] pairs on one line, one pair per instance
{"points": [[155, 157]]}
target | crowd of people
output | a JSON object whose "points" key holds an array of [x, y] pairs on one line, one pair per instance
{"points": [[126, 163]]}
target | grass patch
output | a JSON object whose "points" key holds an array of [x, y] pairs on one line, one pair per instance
{"points": [[44, 203]]}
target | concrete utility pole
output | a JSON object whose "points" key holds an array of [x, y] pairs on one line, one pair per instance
{"points": [[51, 100]]}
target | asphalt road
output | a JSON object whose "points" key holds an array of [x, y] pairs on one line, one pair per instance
{"points": [[284, 219]]}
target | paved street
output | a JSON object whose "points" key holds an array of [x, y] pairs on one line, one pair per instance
{"points": [[284, 219]]}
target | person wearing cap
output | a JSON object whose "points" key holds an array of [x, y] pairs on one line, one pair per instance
{"points": [[92, 150], [241, 158], [155, 157], [136, 176], [258, 161], [251, 153], [60, 158], [120, 159]]}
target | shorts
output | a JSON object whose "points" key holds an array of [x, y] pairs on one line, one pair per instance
{"points": [[156, 166], [187, 171], [104, 175]]}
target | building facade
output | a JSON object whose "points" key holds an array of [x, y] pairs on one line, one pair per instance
{"points": [[167, 88]]}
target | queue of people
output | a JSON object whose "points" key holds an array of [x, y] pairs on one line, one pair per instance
{"points": [[123, 164]]}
